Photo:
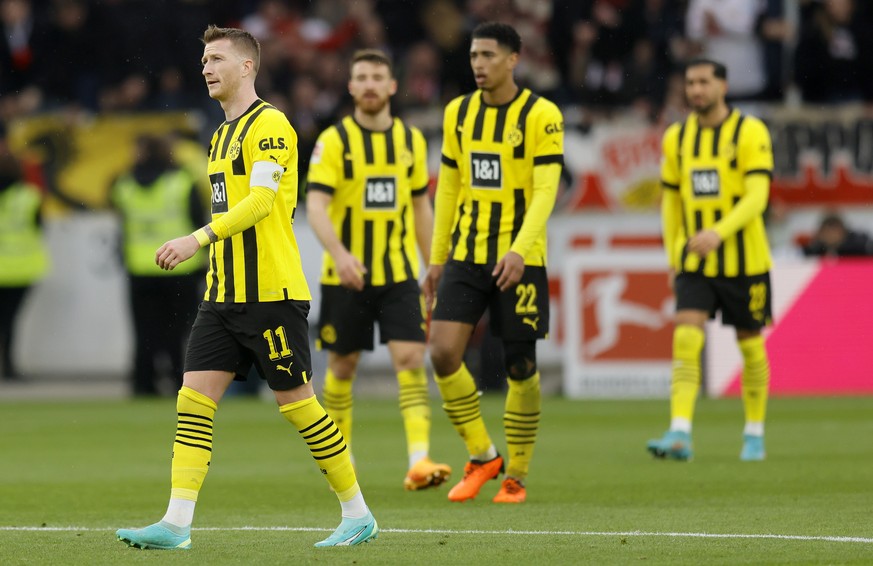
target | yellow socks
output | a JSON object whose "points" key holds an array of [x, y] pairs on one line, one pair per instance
{"points": [[338, 402], [192, 449], [687, 345], [521, 420], [755, 381], [461, 403], [326, 444], [415, 410]]}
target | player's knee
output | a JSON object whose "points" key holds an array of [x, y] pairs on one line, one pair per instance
{"points": [[520, 359], [410, 357], [445, 361], [687, 340], [343, 366]]}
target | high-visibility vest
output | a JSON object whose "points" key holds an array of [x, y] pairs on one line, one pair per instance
{"points": [[23, 254], [153, 215]]}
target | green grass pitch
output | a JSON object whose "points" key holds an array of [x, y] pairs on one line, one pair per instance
{"points": [[71, 473]]}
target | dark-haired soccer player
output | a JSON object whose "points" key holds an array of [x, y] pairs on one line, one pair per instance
{"points": [[256, 303], [367, 202], [502, 155], [716, 176]]}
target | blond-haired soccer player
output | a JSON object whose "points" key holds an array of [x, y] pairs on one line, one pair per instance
{"points": [[256, 302], [367, 202], [502, 155], [716, 176]]}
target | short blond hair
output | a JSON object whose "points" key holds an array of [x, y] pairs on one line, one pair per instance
{"points": [[241, 39]]}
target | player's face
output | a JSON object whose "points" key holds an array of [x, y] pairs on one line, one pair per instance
{"points": [[703, 89], [492, 63], [371, 86], [223, 68]]}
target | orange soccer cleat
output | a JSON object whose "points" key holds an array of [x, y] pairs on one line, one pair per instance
{"points": [[512, 491], [426, 473], [476, 473]]}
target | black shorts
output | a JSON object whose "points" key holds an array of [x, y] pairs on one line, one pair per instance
{"points": [[347, 319], [744, 302], [519, 314], [273, 336]]}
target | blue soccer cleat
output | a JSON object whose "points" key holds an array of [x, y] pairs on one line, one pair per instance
{"points": [[352, 531], [753, 448], [675, 444], [160, 536]]}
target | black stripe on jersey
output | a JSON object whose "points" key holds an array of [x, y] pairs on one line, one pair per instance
{"points": [[679, 144], [346, 235], [226, 129], [239, 165], [209, 152], [479, 124], [456, 233], [404, 227], [720, 250], [409, 148], [367, 139], [736, 140], [670, 186], [348, 172], [500, 123], [250, 254], [548, 160], [471, 234], [448, 161], [760, 172], [518, 152], [698, 226], [229, 290], [741, 248], [319, 187], [213, 288], [389, 147], [462, 114], [386, 257], [368, 250], [419, 191], [493, 231], [697, 141], [520, 209], [716, 134]]}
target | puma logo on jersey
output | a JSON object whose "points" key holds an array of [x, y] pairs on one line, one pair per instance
{"points": [[283, 368], [531, 321]]}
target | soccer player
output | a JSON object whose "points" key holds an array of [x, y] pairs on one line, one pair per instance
{"points": [[716, 175], [502, 155], [367, 202], [256, 302]]}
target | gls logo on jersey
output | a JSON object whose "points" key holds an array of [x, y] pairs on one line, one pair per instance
{"points": [[555, 128], [380, 193], [705, 183], [486, 172], [270, 143], [219, 192]]}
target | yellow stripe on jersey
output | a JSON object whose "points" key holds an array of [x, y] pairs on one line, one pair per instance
{"points": [[712, 170], [260, 263], [495, 151], [372, 177]]}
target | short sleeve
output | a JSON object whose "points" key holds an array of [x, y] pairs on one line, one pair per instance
{"points": [[670, 176], [755, 154], [325, 163]]}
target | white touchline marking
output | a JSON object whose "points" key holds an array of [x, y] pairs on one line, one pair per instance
{"points": [[824, 538]]}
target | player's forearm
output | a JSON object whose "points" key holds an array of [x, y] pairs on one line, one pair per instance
{"points": [[423, 212], [245, 214], [671, 222], [751, 205], [446, 203], [545, 189], [319, 221]]}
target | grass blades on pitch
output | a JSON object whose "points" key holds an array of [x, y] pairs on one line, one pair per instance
{"points": [[71, 473]]}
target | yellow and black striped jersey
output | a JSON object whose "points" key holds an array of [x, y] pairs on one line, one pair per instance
{"points": [[709, 167], [496, 151], [372, 177], [261, 263]]}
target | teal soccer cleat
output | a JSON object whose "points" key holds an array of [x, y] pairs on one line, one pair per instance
{"points": [[352, 531], [160, 536], [675, 444], [753, 448]]}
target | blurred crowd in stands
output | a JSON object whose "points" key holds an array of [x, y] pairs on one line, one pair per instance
{"points": [[609, 57]]}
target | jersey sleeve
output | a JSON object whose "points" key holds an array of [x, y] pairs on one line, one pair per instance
{"points": [[420, 171], [273, 140], [325, 164], [550, 137], [670, 176], [448, 188], [755, 152]]}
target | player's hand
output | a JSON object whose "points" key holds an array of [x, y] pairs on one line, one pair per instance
{"points": [[430, 284], [176, 251], [671, 279], [508, 271], [704, 242], [351, 271]]}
